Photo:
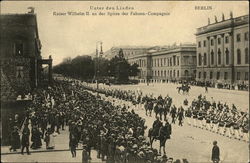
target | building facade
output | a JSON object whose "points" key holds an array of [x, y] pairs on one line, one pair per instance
{"points": [[20, 53], [162, 64], [222, 51]]}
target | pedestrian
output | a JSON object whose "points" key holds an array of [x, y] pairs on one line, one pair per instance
{"points": [[215, 153], [206, 89], [72, 144], [15, 139], [85, 155], [25, 139]]}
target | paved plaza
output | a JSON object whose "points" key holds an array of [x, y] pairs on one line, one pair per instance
{"points": [[188, 142]]}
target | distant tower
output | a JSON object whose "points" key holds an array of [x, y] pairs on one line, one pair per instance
{"points": [[101, 52]]}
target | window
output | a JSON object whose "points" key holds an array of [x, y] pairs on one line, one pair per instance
{"points": [[174, 60], [186, 73], [227, 56], [225, 76], [199, 75], [205, 59], [219, 41], [164, 61], [218, 76], [177, 73], [212, 42], [199, 59], [165, 73], [212, 57], [226, 39], [238, 56], [178, 58], [204, 75], [211, 75], [19, 72], [204, 43], [174, 73], [246, 56], [238, 37], [238, 76], [199, 44], [219, 56], [18, 49], [246, 36], [170, 73], [246, 76]]}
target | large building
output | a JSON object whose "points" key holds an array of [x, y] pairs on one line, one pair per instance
{"points": [[223, 52], [127, 51], [171, 63], [20, 53]]}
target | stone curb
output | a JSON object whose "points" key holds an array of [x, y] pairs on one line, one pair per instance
{"points": [[40, 151]]}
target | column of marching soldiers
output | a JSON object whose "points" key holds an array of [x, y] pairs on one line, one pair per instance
{"points": [[201, 113], [116, 133]]}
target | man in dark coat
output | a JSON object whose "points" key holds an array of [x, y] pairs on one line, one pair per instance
{"points": [[85, 155], [215, 153], [15, 139], [25, 139]]}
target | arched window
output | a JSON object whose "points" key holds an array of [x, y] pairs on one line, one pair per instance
{"points": [[227, 56], [238, 56], [246, 56], [219, 56], [199, 59], [212, 57], [205, 59]]}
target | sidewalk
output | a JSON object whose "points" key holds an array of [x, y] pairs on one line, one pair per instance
{"points": [[61, 149]]}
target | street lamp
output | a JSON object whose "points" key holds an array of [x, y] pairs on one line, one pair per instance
{"points": [[97, 62]]}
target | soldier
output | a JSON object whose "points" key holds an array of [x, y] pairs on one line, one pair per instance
{"points": [[180, 115], [173, 113]]}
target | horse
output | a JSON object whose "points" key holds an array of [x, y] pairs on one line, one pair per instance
{"points": [[161, 135], [158, 109], [185, 89]]}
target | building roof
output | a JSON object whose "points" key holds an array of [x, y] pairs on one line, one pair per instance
{"points": [[232, 22]]}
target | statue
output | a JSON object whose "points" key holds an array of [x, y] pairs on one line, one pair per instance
{"points": [[120, 53], [223, 17], [208, 20], [231, 15], [31, 10], [215, 18]]}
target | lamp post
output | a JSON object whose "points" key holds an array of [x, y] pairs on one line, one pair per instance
{"points": [[97, 63]]}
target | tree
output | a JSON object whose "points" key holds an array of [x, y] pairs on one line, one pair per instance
{"points": [[133, 70]]}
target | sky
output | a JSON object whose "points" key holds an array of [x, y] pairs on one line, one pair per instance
{"points": [[70, 36]]}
